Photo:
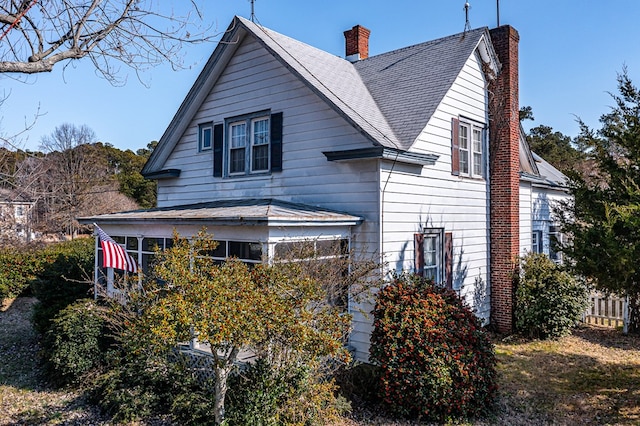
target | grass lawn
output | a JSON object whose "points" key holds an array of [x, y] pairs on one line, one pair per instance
{"points": [[589, 378]]}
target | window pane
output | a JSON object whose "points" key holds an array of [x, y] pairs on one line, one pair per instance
{"points": [[205, 141], [477, 164], [220, 251], [236, 162], [477, 140], [464, 137], [245, 251], [238, 135], [432, 252], [261, 131], [132, 244], [260, 159], [151, 244], [464, 149], [477, 152]]}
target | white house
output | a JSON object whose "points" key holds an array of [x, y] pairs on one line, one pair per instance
{"points": [[414, 155], [15, 216]]}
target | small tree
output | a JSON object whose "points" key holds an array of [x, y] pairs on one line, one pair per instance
{"points": [[549, 301], [278, 311]]}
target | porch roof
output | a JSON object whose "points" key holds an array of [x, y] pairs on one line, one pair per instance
{"points": [[266, 212]]}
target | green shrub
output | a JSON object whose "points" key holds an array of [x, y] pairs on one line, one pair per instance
{"points": [[255, 394], [549, 300], [135, 386], [76, 341], [66, 277], [437, 363], [264, 395], [359, 383], [18, 266]]}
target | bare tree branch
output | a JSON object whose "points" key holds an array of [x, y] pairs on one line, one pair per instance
{"points": [[35, 35]]}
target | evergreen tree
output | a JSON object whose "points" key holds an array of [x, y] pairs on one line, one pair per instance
{"points": [[603, 221]]}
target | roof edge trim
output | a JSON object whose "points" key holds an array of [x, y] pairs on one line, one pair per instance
{"points": [[383, 153]]}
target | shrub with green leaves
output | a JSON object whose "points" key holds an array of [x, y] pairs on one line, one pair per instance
{"points": [[75, 342], [263, 394], [549, 300], [65, 278], [18, 266], [437, 362]]}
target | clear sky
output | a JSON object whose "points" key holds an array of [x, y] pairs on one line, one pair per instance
{"points": [[570, 55]]}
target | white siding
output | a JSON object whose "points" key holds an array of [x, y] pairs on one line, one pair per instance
{"points": [[407, 199], [434, 198], [526, 225], [255, 81]]}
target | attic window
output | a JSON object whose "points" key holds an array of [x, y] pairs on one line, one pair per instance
{"points": [[205, 136], [249, 144]]}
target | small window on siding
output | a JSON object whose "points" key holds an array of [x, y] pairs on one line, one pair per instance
{"points": [[556, 239], [467, 148], [536, 241], [430, 255], [205, 137]]}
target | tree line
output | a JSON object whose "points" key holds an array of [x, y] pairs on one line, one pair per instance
{"points": [[73, 175]]}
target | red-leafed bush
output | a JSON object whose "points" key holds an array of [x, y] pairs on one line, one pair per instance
{"points": [[437, 362]]}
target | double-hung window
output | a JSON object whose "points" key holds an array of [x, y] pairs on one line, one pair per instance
{"points": [[237, 147], [467, 157], [434, 255], [250, 144], [260, 144], [556, 239], [536, 242]]}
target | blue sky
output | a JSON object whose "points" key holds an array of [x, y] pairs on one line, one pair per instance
{"points": [[570, 55]]}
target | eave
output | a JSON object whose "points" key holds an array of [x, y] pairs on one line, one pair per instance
{"points": [[383, 153]]}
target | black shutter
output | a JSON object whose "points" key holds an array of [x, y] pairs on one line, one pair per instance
{"points": [[418, 249], [455, 147], [218, 144], [276, 142]]}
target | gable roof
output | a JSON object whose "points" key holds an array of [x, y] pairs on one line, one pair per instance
{"points": [[366, 93], [408, 84]]}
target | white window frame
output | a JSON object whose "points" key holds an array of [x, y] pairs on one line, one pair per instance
{"points": [[249, 143], [434, 262], [257, 142], [205, 134], [536, 242], [471, 149], [555, 232]]}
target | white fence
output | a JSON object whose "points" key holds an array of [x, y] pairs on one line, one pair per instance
{"points": [[608, 311]]}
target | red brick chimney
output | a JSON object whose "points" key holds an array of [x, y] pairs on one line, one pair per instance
{"points": [[504, 131], [357, 43]]}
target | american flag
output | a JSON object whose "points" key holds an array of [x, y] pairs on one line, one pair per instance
{"points": [[113, 254]]}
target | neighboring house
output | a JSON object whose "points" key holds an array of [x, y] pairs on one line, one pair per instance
{"points": [[15, 216], [413, 155]]}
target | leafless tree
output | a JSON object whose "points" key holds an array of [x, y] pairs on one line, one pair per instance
{"points": [[35, 35], [73, 167]]}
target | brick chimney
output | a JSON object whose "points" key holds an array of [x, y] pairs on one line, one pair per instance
{"points": [[357, 43], [504, 131]]}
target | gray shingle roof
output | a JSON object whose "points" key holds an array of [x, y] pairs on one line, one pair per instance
{"points": [[408, 84], [389, 98], [333, 78]]}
